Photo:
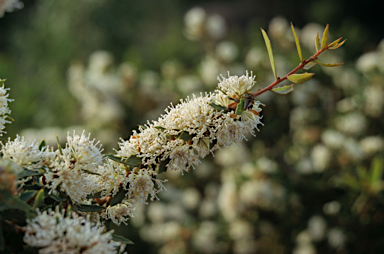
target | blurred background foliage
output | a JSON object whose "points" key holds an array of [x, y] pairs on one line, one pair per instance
{"points": [[312, 179]]}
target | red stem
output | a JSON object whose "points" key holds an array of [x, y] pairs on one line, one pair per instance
{"points": [[279, 80]]}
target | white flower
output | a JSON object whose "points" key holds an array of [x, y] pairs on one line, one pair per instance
{"points": [[26, 154], [111, 177], [142, 184], [85, 153], [234, 85], [54, 232], [203, 147], [4, 110], [231, 133], [119, 213], [182, 158], [66, 174]]}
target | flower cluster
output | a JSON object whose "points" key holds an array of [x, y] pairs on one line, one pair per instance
{"points": [[54, 232], [82, 175], [195, 127]]}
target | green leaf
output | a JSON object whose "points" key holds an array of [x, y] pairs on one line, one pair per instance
{"points": [[300, 78], [163, 166], [240, 107], [90, 172], [185, 136], [42, 145], [95, 195], [376, 173], [120, 195], [328, 64], [270, 52], [89, 208], [56, 198], [335, 42], [317, 42], [160, 128], [39, 200], [26, 173], [121, 239], [338, 45], [219, 107], [12, 202], [31, 187], [133, 160], [26, 195], [309, 65], [283, 89], [325, 37], [297, 41]]}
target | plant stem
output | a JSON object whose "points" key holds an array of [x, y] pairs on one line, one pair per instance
{"points": [[299, 67]]}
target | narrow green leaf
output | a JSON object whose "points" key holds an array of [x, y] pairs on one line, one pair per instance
{"points": [[376, 173], [31, 187], [160, 128], [39, 200], [121, 239], [120, 195], [300, 78], [363, 175], [26, 173], [328, 64], [297, 41], [335, 42], [8, 201], [90, 172], [133, 160], [283, 89], [185, 136], [270, 52], [42, 144], [26, 195], [89, 208], [56, 198], [325, 37], [218, 107], [317, 42], [143, 127], [240, 107], [163, 166], [95, 195], [309, 66], [338, 45]]}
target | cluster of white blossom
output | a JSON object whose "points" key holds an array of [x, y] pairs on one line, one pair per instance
{"points": [[190, 130], [54, 232], [194, 128], [4, 110]]}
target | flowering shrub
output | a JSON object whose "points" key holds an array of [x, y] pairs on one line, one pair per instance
{"points": [[68, 195]]}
